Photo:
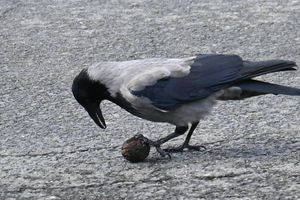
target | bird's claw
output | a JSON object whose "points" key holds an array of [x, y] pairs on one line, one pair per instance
{"points": [[196, 148], [161, 152], [187, 146]]}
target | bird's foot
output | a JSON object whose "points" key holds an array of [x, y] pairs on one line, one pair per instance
{"points": [[185, 146], [155, 144], [162, 152]]}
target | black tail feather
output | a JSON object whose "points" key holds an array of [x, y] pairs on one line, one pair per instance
{"points": [[267, 88]]}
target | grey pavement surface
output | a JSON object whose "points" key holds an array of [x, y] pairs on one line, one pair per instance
{"points": [[51, 149]]}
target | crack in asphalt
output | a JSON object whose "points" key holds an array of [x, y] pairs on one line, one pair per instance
{"points": [[8, 10], [50, 153]]}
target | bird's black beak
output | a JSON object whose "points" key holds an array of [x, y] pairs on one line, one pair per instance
{"points": [[96, 114]]}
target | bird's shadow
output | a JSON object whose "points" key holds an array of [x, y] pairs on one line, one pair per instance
{"points": [[246, 151]]}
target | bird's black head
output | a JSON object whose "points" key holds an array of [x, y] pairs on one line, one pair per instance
{"points": [[89, 94]]}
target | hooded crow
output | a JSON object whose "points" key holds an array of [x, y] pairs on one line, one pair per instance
{"points": [[178, 91]]}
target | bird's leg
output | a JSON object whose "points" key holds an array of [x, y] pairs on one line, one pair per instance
{"points": [[188, 137], [178, 131], [185, 144]]}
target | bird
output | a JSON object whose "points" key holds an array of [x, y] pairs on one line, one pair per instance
{"points": [[177, 91]]}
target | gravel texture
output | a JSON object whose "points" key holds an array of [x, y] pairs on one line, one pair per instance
{"points": [[49, 147]]}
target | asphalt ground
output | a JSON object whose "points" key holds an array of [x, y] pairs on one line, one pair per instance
{"points": [[51, 149]]}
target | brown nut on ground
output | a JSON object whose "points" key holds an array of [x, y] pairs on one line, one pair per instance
{"points": [[135, 149]]}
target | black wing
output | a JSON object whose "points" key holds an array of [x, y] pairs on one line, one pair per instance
{"points": [[210, 73]]}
